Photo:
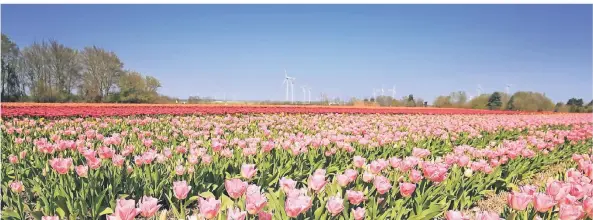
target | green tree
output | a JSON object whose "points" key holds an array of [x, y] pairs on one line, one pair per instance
{"points": [[479, 102], [494, 102], [12, 83], [101, 72], [442, 102], [530, 101], [410, 101]]}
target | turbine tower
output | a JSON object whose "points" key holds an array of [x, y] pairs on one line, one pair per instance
{"points": [[289, 81], [309, 90], [479, 90], [393, 91], [507, 88], [304, 93]]}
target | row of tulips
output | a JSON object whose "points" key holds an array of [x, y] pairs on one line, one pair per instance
{"points": [[99, 110], [95, 168]]}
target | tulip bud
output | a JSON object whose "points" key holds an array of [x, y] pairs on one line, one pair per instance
{"points": [[468, 173]]}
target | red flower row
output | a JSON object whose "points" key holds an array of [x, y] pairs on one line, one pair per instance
{"points": [[93, 110]]}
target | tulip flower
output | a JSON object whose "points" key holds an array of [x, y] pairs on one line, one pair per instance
{"points": [[335, 205], [209, 207], [181, 189], [248, 171], [406, 189], [125, 210], [148, 206], [355, 197], [358, 213]]}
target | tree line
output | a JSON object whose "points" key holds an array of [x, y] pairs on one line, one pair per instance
{"points": [[518, 101], [49, 71]]}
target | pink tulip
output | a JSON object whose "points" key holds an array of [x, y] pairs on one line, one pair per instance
{"points": [[61, 165], [23, 154], [375, 167], [406, 189], [287, 184], [235, 187], [588, 206], [571, 212], [93, 162], [463, 161], [181, 189], [382, 184], [420, 153], [206, 159], [13, 159], [82, 170], [297, 204], [255, 200], [118, 160], [351, 174], [454, 215], [367, 177], [148, 206], [529, 189], [236, 214], [264, 216], [415, 176], [577, 190], [208, 207], [335, 205], [435, 172], [484, 215], [248, 171], [543, 202], [359, 161], [358, 213], [179, 170], [17, 186], [395, 162], [343, 180], [50, 218], [125, 210], [317, 182], [518, 200], [355, 197]]}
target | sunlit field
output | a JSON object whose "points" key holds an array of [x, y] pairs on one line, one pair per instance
{"points": [[263, 162]]}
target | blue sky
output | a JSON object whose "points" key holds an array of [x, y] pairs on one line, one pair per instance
{"points": [[342, 50]]}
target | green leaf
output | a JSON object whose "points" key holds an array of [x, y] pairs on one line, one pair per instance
{"points": [[106, 211], [226, 202], [10, 213], [206, 194]]}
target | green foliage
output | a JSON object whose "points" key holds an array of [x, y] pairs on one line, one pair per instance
{"points": [[530, 101], [48, 71], [479, 102], [494, 102]]}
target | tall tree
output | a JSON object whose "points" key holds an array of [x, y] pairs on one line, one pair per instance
{"points": [[494, 102], [39, 78], [64, 66], [101, 72], [12, 83]]}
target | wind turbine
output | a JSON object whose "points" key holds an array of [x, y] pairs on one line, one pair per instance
{"points": [[507, 88], [382, 91], [479, 90], [304, 93], [393, 92], [289, 81], [309, 90]]}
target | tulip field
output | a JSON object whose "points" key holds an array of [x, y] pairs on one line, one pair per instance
{"points": [[166, 163]]}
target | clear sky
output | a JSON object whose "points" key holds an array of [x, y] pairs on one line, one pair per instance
{"points": [[345, 50]]}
